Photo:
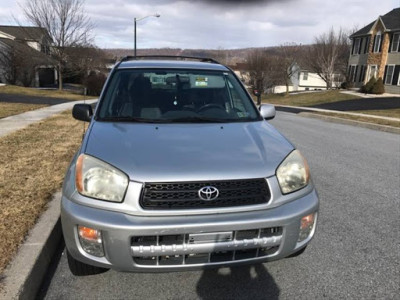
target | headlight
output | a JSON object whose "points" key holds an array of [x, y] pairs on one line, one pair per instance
{"points": [[293, 173], [97, 179]]}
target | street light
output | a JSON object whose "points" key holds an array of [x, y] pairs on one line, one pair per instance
{"points": [[137, 20]]}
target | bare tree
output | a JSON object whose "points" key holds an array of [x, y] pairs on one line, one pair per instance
{"points": [[290, 54], [83, 60], [18, 62], [9, 63], [262, 69], [329, 55], [66, 22]]}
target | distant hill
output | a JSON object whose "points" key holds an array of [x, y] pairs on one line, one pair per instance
{"points": [[225, 56]]}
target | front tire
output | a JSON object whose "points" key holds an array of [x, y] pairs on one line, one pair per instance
{"points": [[78, 268]]}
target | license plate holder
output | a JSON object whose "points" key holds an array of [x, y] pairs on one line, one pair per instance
{"points": [[211, 237]]}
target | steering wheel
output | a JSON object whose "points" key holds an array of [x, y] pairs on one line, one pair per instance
{"points": [[209, 106]]}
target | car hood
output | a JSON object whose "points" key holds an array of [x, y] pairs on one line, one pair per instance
{"points": [[189, 152]]}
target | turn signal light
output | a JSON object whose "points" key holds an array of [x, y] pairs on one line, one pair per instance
{"points": [[91, 241], [307, 221], [89, 234], [307, 226]]}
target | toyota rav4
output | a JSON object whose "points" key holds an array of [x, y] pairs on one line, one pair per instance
{"points": [[179, 170]]}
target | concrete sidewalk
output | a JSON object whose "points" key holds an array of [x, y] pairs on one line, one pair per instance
{"points": [[17, 122], [362, 95]]}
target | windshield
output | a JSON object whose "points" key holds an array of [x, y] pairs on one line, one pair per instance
{"points": [[175, 96]]}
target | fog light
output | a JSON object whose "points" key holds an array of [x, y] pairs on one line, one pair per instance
{"points": [[91, 240], [307, 225]]}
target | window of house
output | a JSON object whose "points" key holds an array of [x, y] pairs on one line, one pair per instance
{"points": [[366, 48], [398, 80], [372, 71], [352, 73], [305, 75], [361, 74], [357, 44], [377, 43], [364, 73], [389, 74], [395, 42]]}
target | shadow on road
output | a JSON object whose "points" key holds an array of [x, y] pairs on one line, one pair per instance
{"points": [[248, 282]]}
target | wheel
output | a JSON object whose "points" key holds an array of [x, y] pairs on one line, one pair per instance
{"points": [[78, 268], [298, 252]]}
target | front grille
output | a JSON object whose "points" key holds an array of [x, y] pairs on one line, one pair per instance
{"points": [[185, 195], [184, 249]]}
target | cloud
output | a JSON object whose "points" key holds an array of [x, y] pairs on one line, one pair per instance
{"points": [[218, 23]]}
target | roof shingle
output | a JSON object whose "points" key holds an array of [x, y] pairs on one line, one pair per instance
{"points": [[25, 32], [391, 21]]}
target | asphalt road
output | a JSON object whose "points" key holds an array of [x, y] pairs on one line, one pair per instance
{"points": [[356, 251]]}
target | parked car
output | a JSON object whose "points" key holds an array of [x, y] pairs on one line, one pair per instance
{"points": [[180, 170]]}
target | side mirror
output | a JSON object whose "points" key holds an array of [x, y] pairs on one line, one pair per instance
{"points": [[267, 111], [82, 112]]}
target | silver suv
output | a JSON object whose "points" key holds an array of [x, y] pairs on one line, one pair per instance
{"points": [[179, 170]]}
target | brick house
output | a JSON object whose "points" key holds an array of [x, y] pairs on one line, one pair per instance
{"points": [[375, 52]]}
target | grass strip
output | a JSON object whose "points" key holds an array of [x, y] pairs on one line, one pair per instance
{"points": [[10, 109], [33, 164], [13, 89], [392, 113], [307, 99]]}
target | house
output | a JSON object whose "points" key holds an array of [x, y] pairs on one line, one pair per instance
{"points": [[305, 80], [242, 72], [375, 52], [30, 45]]}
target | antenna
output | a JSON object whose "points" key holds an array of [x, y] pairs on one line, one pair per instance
{"points": [[84, 102]]}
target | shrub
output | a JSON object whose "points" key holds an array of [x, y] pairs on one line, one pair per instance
{"points": [[346, 85], [94, 83], [367, 88], [378, 87]]}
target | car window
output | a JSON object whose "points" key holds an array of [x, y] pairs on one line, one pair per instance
{"points": [[175, 96]]}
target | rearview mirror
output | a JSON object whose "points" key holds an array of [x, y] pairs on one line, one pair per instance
{"points": [[82, 112], [267, 111]]}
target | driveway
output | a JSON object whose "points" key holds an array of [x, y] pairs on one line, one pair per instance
{"points": [[354, 255], [362, 104], [15, 98]]}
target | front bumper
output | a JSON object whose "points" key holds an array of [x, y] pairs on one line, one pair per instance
{"points": [[278, 232]]}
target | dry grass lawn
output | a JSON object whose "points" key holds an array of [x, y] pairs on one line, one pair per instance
{"points": [[10, 109], [33, 164], [307, 99], [13, 89]]}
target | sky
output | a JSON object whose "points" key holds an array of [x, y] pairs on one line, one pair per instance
{"points": [[216, 24]]}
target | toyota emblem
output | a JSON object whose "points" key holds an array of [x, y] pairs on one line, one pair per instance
{"points": [[208, 193]]}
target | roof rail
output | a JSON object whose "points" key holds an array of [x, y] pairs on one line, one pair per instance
{"points": [[178, 57]]}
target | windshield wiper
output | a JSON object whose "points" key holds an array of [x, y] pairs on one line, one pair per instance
{"points": [[130, 119], [195, 120]]}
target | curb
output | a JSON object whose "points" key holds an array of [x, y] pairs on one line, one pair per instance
{"points": [[351, 122], [298, 109], [24, 275]]}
